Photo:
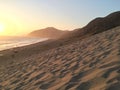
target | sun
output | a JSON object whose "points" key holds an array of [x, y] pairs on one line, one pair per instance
{"points": [[2, 27]]}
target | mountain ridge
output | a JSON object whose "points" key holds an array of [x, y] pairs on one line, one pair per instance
{"points": [[97, 25]]}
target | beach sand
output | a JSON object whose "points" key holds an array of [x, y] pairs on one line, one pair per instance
{"points": [[88, 64]]}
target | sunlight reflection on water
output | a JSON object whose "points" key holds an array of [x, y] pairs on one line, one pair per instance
{"points": [[11, 42]]}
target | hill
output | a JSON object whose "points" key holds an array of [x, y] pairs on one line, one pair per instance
{"points": [[97, 25], [49, 32]]}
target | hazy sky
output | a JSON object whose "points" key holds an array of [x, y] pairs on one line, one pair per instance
{"points": [[23, 16]]}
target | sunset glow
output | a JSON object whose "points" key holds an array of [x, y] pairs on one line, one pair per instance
{"points": [[2, 27], [22, 16], [11, 25]]}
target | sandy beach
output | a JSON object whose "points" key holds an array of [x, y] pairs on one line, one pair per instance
{"points": [[88, 64]]}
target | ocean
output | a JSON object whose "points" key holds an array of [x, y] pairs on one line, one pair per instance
{"points": [[12, 42]]}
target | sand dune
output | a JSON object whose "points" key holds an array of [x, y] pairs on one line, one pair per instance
{"points": [[88, 64]]}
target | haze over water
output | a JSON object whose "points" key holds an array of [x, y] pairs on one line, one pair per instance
{"points": [[11, 42]]}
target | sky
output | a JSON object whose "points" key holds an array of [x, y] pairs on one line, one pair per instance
{"points": [[19, 17]]}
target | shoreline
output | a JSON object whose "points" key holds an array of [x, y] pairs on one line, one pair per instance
{"points": [[12, 54]]}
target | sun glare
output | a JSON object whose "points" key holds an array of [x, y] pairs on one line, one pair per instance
{"points": [[2, 27]]}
